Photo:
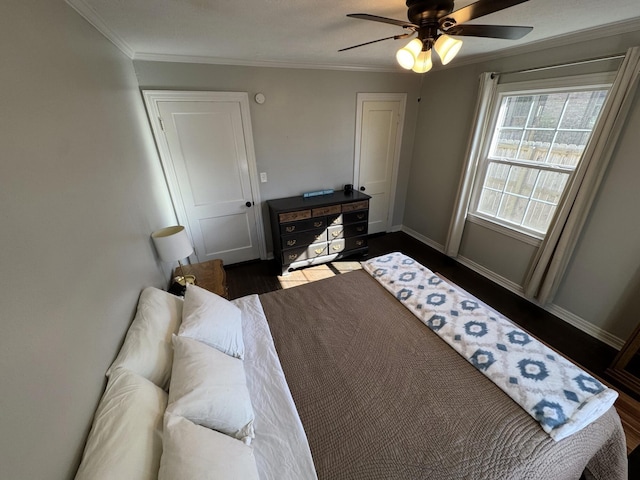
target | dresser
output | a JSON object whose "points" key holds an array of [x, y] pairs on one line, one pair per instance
{"points": [[309, 231]]}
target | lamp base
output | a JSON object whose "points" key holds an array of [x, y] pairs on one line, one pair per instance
{"points": [[184, 280]]}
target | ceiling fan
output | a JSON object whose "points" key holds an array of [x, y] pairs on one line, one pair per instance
{"points": [[434, 21]]}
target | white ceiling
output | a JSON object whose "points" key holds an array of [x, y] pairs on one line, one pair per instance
{"points": [[309, 33]]}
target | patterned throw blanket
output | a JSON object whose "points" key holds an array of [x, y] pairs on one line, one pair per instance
{"points": [[554, 391]]}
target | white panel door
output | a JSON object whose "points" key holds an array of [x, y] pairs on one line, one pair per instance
{"points": [[208, 164], [378, 138]]}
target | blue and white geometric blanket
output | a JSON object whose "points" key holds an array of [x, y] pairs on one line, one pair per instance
{"points": [[554, 391]]}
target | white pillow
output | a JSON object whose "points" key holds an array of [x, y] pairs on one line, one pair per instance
{"points": [[192, 451], [213, 320], [147, 348], [210, 389], [126, 437]]}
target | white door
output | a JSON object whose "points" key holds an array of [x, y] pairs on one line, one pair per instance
{"points": [[206, 148], [379, 122]]}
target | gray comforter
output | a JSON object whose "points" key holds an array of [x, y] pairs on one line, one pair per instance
{"points": [[382, 397]]}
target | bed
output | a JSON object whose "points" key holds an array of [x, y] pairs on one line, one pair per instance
{"points": [[382, 397], [337, 379]]}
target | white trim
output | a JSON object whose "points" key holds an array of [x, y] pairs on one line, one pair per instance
{"points": [[494, 277], [587, 327], [422, 238], [151, 100], [564, 315], [91, 16], [396, 228], [161, 57], [381, 97], [510, 231]]}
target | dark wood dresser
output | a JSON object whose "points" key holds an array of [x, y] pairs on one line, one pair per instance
{"points": [[309, 231]]}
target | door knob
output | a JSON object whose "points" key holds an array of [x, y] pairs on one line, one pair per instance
{"points": [[362, 189], [248, 204]]}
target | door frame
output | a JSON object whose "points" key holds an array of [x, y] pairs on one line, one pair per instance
{"points": [[381, 97], [152, 98]]}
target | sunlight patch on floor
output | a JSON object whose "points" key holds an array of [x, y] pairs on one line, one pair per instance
{"points": [[306, 275], [319, 272]]}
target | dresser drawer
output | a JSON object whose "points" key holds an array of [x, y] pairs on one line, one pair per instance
{"points": [[302, 225], [354, 217], [304, 252], [353, 206], [336, 246], [351, 243], [330, 210], [293, 216], [335, 231], [355, 229], [303, 238], [334, 220]]}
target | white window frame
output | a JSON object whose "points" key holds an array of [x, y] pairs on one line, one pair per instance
{"points": [[575, 83]]}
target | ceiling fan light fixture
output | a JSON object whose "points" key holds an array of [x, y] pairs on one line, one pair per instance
{"points": [[423, 63], [447, 48], [408, 54]]}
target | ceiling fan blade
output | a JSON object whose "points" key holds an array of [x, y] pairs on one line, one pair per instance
{"points": [[375, 18], [395, 37], [493, 31], [481, 8]]}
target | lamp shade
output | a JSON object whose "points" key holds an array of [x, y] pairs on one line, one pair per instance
{"points": [[447, 48], [172, 243], [423, 62], [406, 56]]}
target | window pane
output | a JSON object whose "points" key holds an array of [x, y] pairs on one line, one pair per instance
{"points": [[496, 175], [521, 181], [583, 109], [507, 142], [550, 186], [516, 110], [489, 202], [568, 147], [539, 216], [513, 208], [535, 145], [547, 110]]}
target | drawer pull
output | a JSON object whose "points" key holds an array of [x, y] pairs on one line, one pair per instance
{"points": [[335, 234], [336, 247], [318, 251], [359, 243], [291, 243], [360, 229], [292, 256], [360, 216], [290, 229], [317, 224]]}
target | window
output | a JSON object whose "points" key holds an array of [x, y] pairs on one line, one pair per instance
{"points": [[537, 139]]}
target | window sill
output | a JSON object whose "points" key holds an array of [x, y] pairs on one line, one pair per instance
{"points": [[508, 231]]}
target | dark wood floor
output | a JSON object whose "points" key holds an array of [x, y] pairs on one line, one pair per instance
{"points": [[590, 353]]}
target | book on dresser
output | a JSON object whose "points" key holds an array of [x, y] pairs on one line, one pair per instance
{"points": [[313, 230]]}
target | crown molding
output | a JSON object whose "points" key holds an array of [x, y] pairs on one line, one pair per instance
{"points": [[160, 57], [91, 16]]}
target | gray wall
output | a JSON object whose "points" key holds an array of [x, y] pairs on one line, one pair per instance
{"points": [[602, 278], [81, 189], [304, 133]]}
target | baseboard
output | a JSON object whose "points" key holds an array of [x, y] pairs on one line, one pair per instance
{"points": [[494, 277], [587, 327], [395, 228], [422, 238], [561, 313]]}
